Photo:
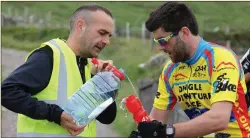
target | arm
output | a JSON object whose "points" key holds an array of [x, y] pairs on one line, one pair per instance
{"points": [[26, 81], [164, 102], [165, 99], [158, 114], [215, 119]]}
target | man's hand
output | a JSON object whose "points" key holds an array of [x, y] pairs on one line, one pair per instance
{"points": [[68, 123], [103, 65], [152, 129]]}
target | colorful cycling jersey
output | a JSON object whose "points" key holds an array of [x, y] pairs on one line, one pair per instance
{"points": [[212, 75]]}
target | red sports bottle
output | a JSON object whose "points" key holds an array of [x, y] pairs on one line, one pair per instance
{"points": [[135, 107]]}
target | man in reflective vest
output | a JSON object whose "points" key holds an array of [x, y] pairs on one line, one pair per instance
{"points": [[53, 72]]}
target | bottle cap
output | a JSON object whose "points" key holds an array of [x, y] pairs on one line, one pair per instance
{"points": [[119, 73], [94, 61]]}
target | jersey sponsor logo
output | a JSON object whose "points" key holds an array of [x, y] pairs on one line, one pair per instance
{"points": [[181, 67], [179, 76], [199, 75], [201, 68], [158, 95], [239, 110], [245, 124], [222, 84], [225, 65], [222, 135], [190, 96], [190, 87], [200, 71]]}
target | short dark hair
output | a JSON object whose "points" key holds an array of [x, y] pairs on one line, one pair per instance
{"points": [[90, 7], [172, 16]]}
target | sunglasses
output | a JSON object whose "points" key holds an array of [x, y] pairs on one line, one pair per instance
{"points": [[164, 41]]}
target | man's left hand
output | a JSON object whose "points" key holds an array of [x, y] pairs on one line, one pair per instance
{"points": [[152, 129], [103, 65]]}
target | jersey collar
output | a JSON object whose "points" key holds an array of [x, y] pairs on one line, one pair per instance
{"points": [[198, 52]]}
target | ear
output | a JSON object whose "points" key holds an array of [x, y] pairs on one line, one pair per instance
{"points": [[80, 25], [184, 33]]}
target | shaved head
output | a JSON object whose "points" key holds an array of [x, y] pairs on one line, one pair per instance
{"points": [[91, 27], [84, 12]]}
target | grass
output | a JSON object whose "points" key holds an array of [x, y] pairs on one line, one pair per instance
{"points": [[209, 14], [58, 15], [125, 54]]}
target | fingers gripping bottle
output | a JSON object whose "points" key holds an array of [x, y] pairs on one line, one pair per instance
{"points": [[135, 107], [94, 96]]}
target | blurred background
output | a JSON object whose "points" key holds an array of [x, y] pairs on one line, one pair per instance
{"points": [[25, 25]]}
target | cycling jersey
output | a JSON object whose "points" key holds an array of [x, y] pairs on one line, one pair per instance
{"points": [[212, 75]]}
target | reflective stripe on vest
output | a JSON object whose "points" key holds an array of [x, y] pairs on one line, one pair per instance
{"points": [[62, 96], [62, 84]]}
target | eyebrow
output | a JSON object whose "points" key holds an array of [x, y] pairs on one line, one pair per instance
{"points": [[105, 31]]}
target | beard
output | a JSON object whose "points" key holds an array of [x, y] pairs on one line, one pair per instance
{"points": [[85, 46], [180, 51]]}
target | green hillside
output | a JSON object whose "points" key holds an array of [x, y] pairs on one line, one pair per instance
{"points": [[209, 14]]}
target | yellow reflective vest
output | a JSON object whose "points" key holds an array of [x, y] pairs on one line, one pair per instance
{"points": [[65, 80]]}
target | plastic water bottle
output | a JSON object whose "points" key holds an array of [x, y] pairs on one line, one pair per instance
{"points": [[94, 96]]}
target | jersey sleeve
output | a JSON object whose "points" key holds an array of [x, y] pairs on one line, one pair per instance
{"points": [[225, 77], [165, 98]]}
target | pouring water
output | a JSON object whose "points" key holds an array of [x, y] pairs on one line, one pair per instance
{"points": [[123, 101]]}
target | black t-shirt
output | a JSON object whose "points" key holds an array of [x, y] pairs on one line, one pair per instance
{"points": [[31, 78]]}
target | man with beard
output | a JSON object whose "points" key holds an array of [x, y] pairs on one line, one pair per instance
{"points": [[53, 72], [218, 88]]}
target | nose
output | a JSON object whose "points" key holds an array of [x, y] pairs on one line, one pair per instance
{"points": [[106, 40], [160, 48]]}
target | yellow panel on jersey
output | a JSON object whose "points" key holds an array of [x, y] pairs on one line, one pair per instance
{"points": [[168, 99], [213, 74]]}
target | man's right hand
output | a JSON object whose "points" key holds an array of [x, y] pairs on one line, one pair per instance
{"points": [[68, 123]]}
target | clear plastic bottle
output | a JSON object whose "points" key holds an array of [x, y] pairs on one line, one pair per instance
{"points": [[94, 96]]}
